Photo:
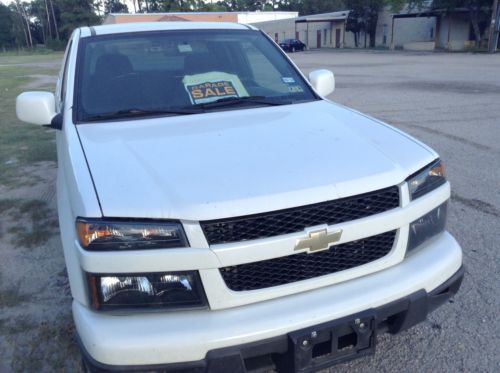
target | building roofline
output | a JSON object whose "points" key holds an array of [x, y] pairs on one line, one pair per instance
{"points": [[429, 13], [180, 13]]}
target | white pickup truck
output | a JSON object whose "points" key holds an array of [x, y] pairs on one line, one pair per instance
{"points": [[219, 214]]}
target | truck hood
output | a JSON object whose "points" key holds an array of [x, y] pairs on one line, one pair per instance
{"points": [[239, 162]]}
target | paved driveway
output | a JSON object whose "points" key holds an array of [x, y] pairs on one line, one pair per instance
{"points": [[452, 103]]}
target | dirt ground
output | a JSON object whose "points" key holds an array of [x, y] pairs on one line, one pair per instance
{"points": [[449, 101]]}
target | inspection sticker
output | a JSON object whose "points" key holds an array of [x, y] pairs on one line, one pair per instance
{"points": [[288, 80], [295, 89]]}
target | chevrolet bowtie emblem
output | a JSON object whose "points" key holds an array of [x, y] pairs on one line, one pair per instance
{"points": [[318, 240]]}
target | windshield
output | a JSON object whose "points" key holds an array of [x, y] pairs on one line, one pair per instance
{"points": [[182, 72]]}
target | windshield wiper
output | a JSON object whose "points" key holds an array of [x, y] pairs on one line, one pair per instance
{"points": [[233, 101], [130, 113]]}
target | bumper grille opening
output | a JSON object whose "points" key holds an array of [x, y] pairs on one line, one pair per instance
{"points": [[296, 219], [347, 342], [322, 349], [297, 267]]}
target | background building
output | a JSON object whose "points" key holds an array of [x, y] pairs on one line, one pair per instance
{"points": [[240, 17], [438, 29], [316, 31], [423, 30]]}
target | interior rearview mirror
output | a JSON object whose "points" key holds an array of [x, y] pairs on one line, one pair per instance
{"points": [[322, 81], [36, 107]]}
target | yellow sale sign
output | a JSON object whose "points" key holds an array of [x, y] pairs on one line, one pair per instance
{"points": [[209, 87]]}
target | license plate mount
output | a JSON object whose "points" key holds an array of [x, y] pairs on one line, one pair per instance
{"points": [[324, 345]]}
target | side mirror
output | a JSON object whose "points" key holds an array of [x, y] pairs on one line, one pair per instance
{"points": [[36, 107], [322, 81]]}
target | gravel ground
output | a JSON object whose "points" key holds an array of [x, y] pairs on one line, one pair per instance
{"points": [[452, 103]]}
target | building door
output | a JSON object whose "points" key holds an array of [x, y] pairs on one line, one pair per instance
{"points": [[318, 39], [337, 38]]}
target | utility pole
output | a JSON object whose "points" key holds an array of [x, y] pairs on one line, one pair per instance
{"points": [[494, 28]]}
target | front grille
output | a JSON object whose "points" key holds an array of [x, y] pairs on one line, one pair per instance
{"points": [[292, 268], [295, 219]]}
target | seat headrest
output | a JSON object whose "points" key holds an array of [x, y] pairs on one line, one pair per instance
{"points": [[113, 65]]}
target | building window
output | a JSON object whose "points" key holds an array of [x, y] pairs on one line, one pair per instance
{"points": [[276, 37], [432, 32], [324, 36]]}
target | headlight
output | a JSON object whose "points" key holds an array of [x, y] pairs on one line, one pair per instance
{"points": [[172, 290], [427, 226], [427, 179], [102, 235]]}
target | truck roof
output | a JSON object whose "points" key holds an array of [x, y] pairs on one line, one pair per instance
{"points": [[159, 26]]}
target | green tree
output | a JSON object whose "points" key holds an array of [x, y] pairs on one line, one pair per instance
{"points": [[7, 38], [115, 6], [75, 13], [218, 6], [320, 6], [41, 18], [364, 17], [355, 24]]}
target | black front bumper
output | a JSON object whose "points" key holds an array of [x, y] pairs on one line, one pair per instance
{"points": [[281, 352]]}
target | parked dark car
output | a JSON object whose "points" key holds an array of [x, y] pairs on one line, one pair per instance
{"points": [[292, 45]]}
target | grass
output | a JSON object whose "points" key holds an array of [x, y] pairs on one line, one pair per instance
{"points": [[26, 56], [21, 144], [36, 221]]}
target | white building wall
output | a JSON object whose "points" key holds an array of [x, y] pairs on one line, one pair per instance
{"points": [[285, 29], [384, 29], [253, 17], [454, 32], [409, 30]]}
